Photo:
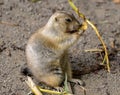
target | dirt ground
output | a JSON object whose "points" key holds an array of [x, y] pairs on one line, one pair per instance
{"points": [[105, 14]]}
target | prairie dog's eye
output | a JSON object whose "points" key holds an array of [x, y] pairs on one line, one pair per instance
{"points": [[68, 19]]}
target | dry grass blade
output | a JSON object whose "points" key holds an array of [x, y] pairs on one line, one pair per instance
{"points": [[51, 92], [96, 31], [104, 46], [37, 89]]}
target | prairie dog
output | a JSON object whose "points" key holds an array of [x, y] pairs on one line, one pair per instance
{"points": [[46, 49]]}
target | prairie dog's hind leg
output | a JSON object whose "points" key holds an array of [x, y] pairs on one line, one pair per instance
{"points": [[66, 66], [55, 76], [68, 71], [70, 78]]}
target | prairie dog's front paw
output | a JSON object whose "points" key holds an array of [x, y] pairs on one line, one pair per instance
{"points": [[59, 89], [77, 81]]}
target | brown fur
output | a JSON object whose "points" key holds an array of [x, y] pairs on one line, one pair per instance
{"points": [[47, 49]]}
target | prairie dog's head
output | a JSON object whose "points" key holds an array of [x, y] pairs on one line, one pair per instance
{"points": [[64, 23]]}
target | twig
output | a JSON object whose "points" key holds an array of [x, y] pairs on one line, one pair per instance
{"points": [[84, 89], [93, 50], [33, 87], [104, 46], [69, 88], [7, 23], [95, 29], [37, 89], [65, 83]]}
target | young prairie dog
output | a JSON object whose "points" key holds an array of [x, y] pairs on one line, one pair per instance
{"points": [[47, 49]]}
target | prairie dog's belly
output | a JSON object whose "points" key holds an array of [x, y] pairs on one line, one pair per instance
{"points": [[44, 63], [40, 58]]}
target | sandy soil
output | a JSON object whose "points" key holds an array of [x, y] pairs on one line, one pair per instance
{"points": [[31, 16]]}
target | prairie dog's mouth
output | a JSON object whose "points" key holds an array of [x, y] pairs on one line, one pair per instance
{"points": [[73, 31]]}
